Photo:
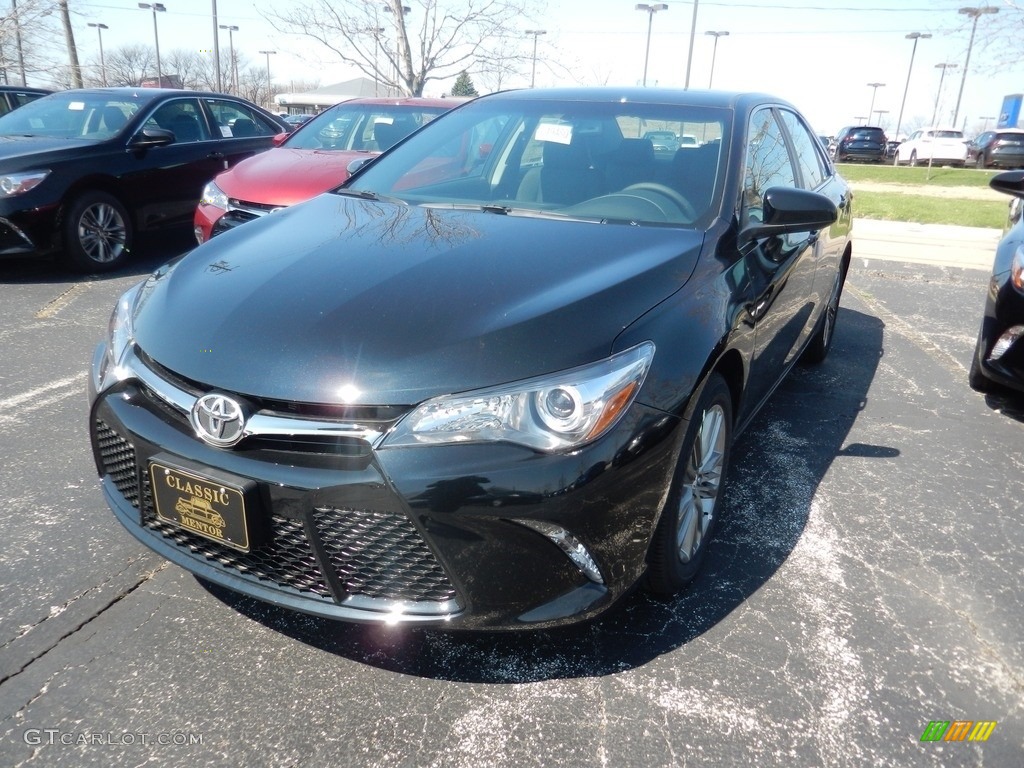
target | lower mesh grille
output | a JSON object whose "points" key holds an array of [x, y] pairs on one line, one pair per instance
{"points": [[376, 555], [118, 459], [381, 555], [284, 559]]}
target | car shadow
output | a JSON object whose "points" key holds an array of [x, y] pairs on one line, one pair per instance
{"points": [[777, 466], [151, 250]]}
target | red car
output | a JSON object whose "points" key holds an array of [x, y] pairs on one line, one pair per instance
{"points": [[313, 159]]}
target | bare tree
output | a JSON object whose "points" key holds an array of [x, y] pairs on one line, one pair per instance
{"points": [[129, 64], [406, 49], [30, 42]]}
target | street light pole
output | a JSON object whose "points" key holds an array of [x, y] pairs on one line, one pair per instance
{"points": [[270, 90], [234, 65], [103, 63], [156, 7], [651, 9], [938, 95], [689, 56], [536, 33], [975, 14], [714, 53], [880, 112], [875, 87], [915, 36]]}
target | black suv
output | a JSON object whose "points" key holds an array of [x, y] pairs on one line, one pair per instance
{"points": [[860, 142]]}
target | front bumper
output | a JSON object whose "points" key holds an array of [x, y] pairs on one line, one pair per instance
{"points": [[1000, 348], [421, 535]]}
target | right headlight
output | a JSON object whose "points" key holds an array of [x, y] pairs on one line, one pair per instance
{"points": [[557, 412], [1017, 269], [13, 184], [214, 195]]}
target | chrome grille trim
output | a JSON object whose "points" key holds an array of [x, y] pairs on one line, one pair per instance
{"points": [[259, 424]]}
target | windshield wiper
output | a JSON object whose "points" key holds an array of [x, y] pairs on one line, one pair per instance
{"points": [[369, 194]]}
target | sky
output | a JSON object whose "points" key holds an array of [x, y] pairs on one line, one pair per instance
{"points": [[819, 54]]}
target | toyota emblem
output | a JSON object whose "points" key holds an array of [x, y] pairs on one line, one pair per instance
{"points": [[218, 420]]}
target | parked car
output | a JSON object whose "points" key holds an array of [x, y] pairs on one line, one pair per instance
{"points": [[865, 143], [664, 142], [296, 121], [490, 382], [82, 171], [998, 360], [941, 146], [312, 160], [1003, 148], [13, 96], [890, 149]]}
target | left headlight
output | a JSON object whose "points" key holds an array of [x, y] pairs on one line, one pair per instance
{"points": [[120, 333], [13, 184], [557, 412]]}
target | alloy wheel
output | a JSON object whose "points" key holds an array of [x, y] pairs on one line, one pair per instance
{"points": [[102, 233], [701, 482]]}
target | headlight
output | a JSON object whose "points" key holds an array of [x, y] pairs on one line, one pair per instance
{"points": [[214, 195], [1017, 269], [557, 412], [120, 334], [13, 184]]}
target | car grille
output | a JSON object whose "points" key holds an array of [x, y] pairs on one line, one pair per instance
{"points": [[381, 555], [376, 555]]}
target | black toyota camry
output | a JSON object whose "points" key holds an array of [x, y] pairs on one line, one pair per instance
{"points": [[492, 381], [999, 356]]}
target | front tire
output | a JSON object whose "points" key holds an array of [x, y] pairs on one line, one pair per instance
{"points": [[97, 233], [821, 341], [681, 539]]}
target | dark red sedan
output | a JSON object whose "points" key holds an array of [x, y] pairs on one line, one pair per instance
{"points": [[313, 159]]}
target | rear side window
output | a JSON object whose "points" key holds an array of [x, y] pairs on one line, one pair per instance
{"points": [[808, 154]]}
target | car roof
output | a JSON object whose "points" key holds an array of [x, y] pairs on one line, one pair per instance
{"points": [[149, 94], [672, 96], [408, 101], [23, 89]]}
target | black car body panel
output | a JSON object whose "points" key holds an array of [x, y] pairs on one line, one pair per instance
{"points": [[158, 185], [999, 353], [340, 326], [512, 327]]}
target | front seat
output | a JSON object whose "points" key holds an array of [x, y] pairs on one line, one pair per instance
{"points": [[566, 177], [113, 119], [185, 128]]}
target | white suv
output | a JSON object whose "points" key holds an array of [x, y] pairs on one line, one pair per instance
{"points": [[943, 146]]}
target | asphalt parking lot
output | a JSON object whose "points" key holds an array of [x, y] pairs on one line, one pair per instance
{"points": [[864, 581]]}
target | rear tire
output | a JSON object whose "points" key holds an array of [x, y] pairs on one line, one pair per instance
{"points": [[913, 159], [681, 539], [97, 233]]}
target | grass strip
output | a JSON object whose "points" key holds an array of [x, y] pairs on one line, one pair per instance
{"points": [[925, 209]]}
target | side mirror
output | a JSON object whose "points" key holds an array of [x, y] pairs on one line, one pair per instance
{"points": [[356, 164], [786, 209], [151, 137], [281, 138], [1008, 182]]}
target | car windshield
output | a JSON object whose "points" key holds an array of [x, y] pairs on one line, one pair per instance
{"points": [[362, 127], [71, 115], [576, 160]]}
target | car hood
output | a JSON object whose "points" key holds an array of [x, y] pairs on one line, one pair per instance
{"points": [[284, 176], [25, 147], [400, 303]]}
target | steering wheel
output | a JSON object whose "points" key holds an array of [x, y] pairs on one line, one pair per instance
{"points": [[681, 202]]}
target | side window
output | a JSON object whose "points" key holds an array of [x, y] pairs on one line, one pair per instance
{"points": [[233, 120], [812, 168], [767, 163], [183, 118]]}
